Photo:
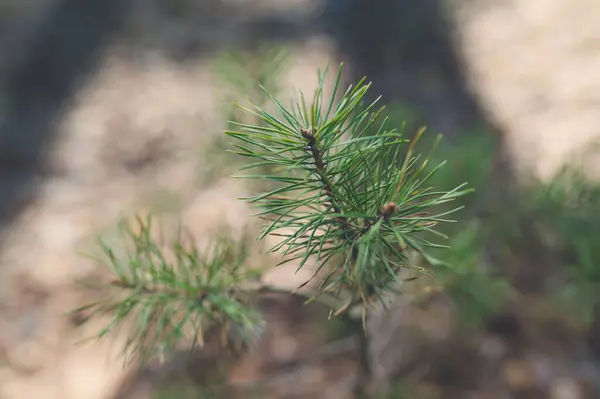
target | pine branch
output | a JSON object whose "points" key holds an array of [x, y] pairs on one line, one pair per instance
{"points": [[348, 203], [166, 296]]}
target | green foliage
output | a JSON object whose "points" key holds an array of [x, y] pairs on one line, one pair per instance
{"points": [[244, 73], [241, 74], [339, 200], [469, 158], [568, 212], [403, 114], [174, 293], [470, 278], [477, 287], [476, 290], [562, 213]]}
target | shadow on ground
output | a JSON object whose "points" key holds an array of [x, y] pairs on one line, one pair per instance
{"points": [[405, 49], [66, 48]]}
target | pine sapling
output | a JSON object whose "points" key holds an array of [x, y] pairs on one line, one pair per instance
{"points": [[346, 195], [345, 199]]}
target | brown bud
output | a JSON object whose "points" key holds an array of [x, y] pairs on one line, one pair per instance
{"points": [[388, 209], [306, 133]]}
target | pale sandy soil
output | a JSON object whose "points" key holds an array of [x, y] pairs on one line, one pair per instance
{"points": [[535, 66], [126, 111]]}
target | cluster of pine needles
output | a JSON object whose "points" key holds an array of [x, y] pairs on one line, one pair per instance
{"points": [[347, 197], [164, 295], [350, 196]]}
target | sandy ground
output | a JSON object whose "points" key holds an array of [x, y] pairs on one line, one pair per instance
{"points": [[102, 172], [534, 65]]}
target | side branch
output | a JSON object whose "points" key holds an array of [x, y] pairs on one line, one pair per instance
{"points": [[321, 169], [317, 155]]}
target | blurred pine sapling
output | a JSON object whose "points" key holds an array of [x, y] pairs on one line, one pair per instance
{"points": [[241, 74], [164, 294]]}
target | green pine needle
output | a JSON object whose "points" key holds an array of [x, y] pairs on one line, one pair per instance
{"points": [[168, 295], [341, 198]]}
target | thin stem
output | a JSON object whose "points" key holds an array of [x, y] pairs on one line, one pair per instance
{"points": [[199, 295], [320, 165], [361, 388]]}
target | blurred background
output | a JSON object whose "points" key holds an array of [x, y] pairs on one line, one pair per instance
{"points": [[111, 107]]}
